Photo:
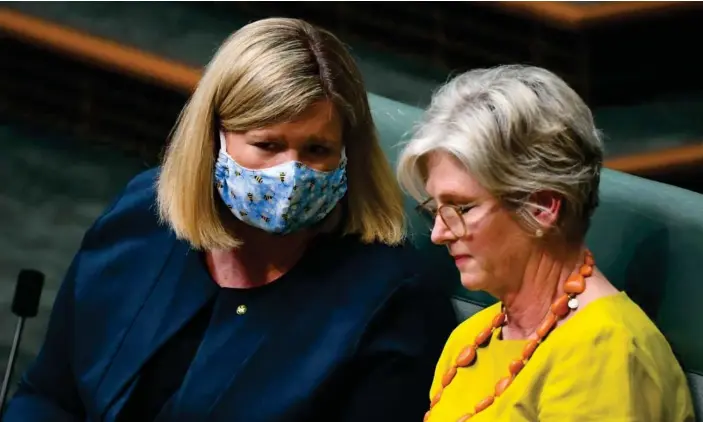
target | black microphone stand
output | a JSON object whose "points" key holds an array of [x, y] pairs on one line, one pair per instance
{"points": [[25, 304]]}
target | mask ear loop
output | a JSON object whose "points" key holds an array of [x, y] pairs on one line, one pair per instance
{"points": [[223, 142]]}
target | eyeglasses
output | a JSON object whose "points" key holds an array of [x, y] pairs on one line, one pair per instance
{"points": [[452, 216]]}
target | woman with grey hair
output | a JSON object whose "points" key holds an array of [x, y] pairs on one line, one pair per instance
{"points": [[506, 165]]}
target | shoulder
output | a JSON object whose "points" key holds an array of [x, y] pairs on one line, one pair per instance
{"points": [[613, 324], [132, 212], [128, 235], [613, 347], [374, 265], [392, 284], [469, 329], [138, 199], [613, 336]]}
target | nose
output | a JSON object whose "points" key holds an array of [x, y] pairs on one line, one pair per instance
{"points": [[441, 234], [292, 154]]}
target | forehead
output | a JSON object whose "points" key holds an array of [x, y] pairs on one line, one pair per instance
{"points": [[448, 180], [320, 121]]}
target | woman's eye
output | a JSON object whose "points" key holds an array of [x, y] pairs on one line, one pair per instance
{"points": [[266, 146], [319, 150]]}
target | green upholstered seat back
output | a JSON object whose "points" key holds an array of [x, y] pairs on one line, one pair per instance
{"points": [[647, 238]]}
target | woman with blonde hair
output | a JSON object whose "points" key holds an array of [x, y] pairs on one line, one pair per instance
{"points": [[506, 165], [260, 274]]}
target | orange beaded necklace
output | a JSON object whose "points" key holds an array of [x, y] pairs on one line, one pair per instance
{"points": [[574, 286]]}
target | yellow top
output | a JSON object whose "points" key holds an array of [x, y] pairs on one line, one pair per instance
{"points": [[607, 363]]}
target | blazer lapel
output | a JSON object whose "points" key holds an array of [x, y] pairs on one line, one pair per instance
{"points": [[181, 290], [227, 352]]}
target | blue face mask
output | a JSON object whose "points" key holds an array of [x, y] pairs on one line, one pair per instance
{"points": [[281, 199]]}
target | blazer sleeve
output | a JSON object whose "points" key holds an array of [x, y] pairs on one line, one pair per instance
{"points": [[397, 357], [48, 390]]}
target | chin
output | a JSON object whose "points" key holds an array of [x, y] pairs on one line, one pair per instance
{"points": [[472, 282]]}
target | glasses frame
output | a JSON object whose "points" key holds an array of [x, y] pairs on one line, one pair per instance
{"points": [[459, 210]]}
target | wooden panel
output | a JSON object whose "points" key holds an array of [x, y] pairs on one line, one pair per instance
{"points": [[580, 15], [659, 161], [178, 78], [99, 51]]}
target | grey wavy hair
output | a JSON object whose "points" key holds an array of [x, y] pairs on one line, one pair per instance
{"points": [[518, 130]]}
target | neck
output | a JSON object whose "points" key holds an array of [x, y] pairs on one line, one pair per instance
{"points": [[260, 260], [545, 273]]}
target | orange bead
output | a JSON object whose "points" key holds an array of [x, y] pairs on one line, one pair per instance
{"points": [[465, 418], [586, 270], [449, 376], [466, 357], [499, 320], [483, 337], [560, 307], [435, 399], [575, 284], [529, 349], [588, 260], [516, 366], [547, 326], [502, 384], [483, 404]]}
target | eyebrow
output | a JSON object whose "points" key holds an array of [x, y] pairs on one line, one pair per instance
{"points": [[272, 136], [450, 198], [323, 140]]}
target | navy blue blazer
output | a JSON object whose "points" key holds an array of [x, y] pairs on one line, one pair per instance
{"points": [[350, 334]]}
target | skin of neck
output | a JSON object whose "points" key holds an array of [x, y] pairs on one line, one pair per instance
{"points": [[528, 301], [262, 258]]}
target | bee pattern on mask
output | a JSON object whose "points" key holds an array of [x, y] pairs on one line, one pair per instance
{"points": [[281, 201]]}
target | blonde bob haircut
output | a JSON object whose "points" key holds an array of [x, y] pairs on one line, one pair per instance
{"points": [[519, 130], [269, 72]]}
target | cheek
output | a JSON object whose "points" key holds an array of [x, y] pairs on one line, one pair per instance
{"points": [[495, 241]]}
